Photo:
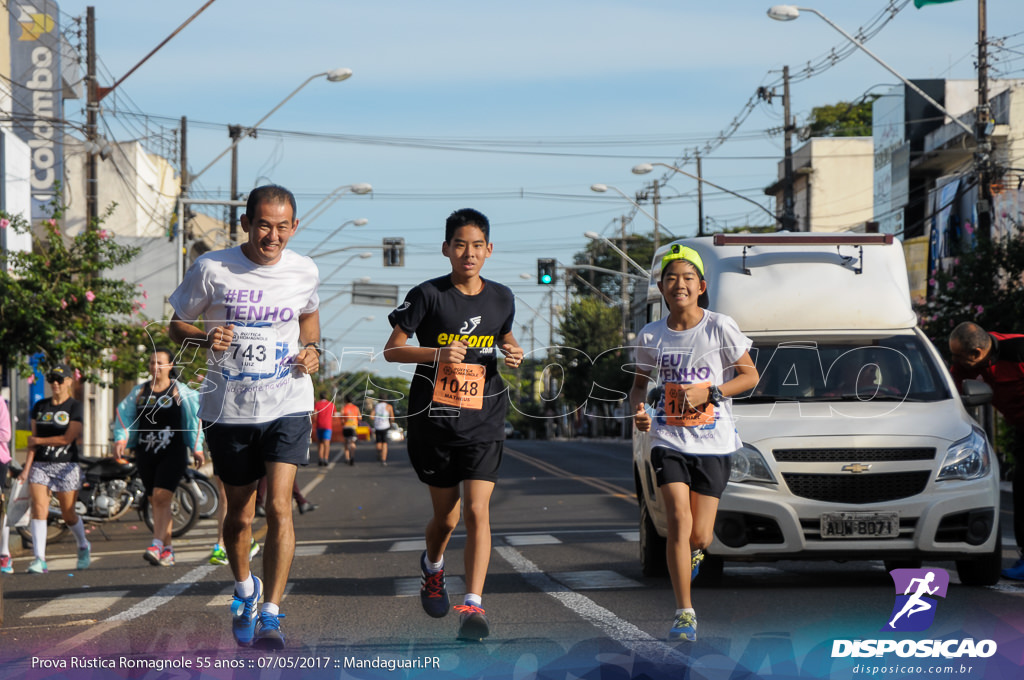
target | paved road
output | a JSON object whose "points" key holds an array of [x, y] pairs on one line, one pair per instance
{"points": [[565, 594]]}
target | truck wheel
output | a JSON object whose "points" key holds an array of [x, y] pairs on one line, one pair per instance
{"points": [[984, 570], [652, 546]]}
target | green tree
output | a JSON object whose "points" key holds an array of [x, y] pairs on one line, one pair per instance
{"points": [[844, 119], [591, 356], [55, 301], [985, 285]]}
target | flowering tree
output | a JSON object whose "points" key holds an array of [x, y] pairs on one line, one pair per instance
{"points": [[54, 301], [985, 285]]}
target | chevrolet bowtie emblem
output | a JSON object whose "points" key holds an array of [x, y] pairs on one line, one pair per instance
{"points": [[856, 467]]}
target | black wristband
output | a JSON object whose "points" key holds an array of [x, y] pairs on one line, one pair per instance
{"points": [[715, 395], [314, 345]]}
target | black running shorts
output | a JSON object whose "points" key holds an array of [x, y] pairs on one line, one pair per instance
{"points": [[705, 474], [445, 466], [161, 470], [240, 452]]}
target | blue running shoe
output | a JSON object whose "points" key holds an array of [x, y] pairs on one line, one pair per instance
{"points": [[37, 566], [84, 557], [5, 565], [684, 628], [268, 631], [433, 594], [243, 616], [695, 559], [1016, 572]]}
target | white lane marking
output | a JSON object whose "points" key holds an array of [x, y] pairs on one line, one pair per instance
{"points": [[617, 629], [631, 536], [310, 550], [407, 587], [598, 579], [531, 539], [162, 597], [417, 545], [78, 603]]}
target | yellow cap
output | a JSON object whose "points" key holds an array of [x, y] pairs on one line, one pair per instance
{"points": [[679, 252]]}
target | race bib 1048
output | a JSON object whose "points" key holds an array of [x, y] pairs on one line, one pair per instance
{"points": [[680, 414], [460, 385]]}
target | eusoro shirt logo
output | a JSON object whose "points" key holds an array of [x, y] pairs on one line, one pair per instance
{"points": [[916, 593], [61, 418]]}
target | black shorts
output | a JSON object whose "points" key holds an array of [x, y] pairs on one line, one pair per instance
{"points": [[705, 474], [348, 432], [240, 452], [162, 470], [381, 436], [444, 466]]}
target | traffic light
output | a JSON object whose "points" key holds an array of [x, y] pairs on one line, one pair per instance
{"points": [[394, 252], [545, 271]]}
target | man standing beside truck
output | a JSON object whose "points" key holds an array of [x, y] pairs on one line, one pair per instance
{"points": [[998, 359]]}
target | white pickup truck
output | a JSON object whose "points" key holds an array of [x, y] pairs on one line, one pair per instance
{"points": [[856, 445]]}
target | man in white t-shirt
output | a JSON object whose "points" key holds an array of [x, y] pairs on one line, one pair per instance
{"points": [[259, 302]]}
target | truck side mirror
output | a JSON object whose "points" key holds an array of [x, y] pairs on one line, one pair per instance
{"points": [[975, 393]]}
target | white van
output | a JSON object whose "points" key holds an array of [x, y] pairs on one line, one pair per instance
{"points": [[856, 445]]}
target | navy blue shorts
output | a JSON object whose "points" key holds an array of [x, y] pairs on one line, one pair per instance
{"points": [[240, 452], [705, 474], [444, 465]]}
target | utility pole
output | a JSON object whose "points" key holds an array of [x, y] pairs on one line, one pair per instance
{"points": [[235, 133], [788, 201], [983, 151], [184, 177], [624, 279], [91, 111], [655, 201], [700, 200]]}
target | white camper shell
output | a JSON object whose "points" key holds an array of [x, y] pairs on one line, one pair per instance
{"points": [[856, 444]]}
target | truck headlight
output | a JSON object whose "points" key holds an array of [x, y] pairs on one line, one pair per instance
{"points": [[748, 465], [968, 458]]}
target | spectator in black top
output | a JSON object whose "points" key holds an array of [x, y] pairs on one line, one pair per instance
{"points": [[52, 465]]}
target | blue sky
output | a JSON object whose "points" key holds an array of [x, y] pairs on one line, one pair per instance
{"points": [[573, 92]]}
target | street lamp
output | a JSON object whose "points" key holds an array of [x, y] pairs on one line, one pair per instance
{"points": [[602, 188], [358, 222], [644, 168], [359, 189], [334, 76], [361, 256], [350, 328], [593, 235], [791, 12]]}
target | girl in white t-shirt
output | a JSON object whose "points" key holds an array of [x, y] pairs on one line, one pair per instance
{"points": [[700, 358]]}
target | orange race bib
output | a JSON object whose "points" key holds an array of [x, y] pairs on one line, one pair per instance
{"points": [[460, 385], [679, 414]]}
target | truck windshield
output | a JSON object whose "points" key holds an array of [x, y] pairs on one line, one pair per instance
{"points": [[890, 368]]}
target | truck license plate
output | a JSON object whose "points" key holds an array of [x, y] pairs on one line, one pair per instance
{"points": [[860, 525]]}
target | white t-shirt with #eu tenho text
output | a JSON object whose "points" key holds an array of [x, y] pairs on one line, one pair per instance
{"points": [[253, 381], [705, 353]]}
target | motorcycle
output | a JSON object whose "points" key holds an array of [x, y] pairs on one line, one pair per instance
{"points": [[110, 488]]}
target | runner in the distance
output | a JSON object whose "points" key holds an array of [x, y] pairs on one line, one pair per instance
{"points": [[457, 405], [324, 409], [383, 417], [259, 303], [350, 421]]}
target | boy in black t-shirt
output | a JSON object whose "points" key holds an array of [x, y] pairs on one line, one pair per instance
{"points": [[457, 405]]}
